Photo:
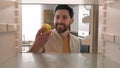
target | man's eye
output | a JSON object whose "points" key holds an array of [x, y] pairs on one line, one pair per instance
{"points": [[64, 17], [57, 17]]}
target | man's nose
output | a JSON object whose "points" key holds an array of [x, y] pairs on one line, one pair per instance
{"points": [[60, 20]]}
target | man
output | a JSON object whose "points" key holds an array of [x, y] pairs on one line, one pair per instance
{"points": [[58, 40]]}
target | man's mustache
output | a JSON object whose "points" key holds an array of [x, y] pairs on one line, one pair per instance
{"points": [[60, 24]]}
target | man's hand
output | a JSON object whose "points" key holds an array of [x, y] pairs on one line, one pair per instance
{"points": [[40, 40]]}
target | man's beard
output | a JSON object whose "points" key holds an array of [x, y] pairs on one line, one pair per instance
{"points": [[61, 28]]}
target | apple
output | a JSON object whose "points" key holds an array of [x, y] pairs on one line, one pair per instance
{"points": [[47, 27]]}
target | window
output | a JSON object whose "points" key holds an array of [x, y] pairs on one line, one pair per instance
{"points": [[84, 26], [31, 21]]}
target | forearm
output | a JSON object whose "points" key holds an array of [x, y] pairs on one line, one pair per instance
{"points": [[35, 48], [40, 41]]}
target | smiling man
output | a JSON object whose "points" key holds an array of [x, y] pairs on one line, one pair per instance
{"points": [[58, 40]]}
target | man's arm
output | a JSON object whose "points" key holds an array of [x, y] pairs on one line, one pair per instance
{"points": [[40, 40], [35, 48]]}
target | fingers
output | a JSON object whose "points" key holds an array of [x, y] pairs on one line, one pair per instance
{"points": [[47, 34], [41, 30], [44, 35], [41, 39]]}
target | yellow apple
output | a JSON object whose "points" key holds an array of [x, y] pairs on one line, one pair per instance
{"points": [[47, 27]]}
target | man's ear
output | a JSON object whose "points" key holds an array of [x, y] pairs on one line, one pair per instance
{"points": [[72, 20]]}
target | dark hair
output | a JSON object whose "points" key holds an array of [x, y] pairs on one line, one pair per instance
{"points": [[67, 7]]}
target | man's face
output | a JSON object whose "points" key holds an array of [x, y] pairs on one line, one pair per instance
{"points": [[62, 20]]}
